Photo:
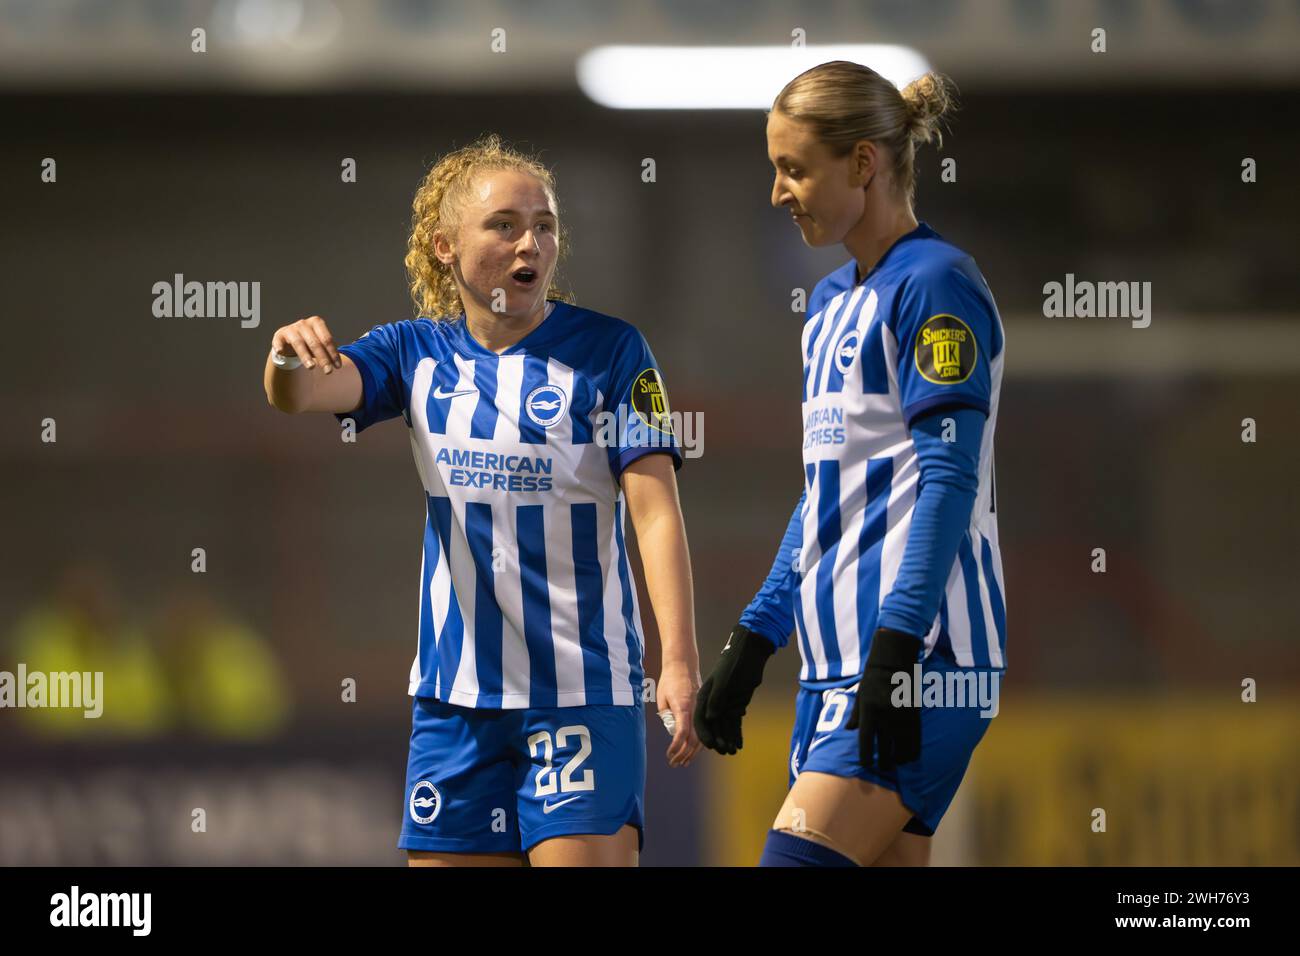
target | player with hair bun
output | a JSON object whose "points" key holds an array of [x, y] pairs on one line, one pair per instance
{"points": [[536, 426], [889, 569]]}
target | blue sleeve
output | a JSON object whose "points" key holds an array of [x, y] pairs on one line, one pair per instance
{"points": [[947, 332], [948, 485], [378, 359], [638, 402], [771, 613]]}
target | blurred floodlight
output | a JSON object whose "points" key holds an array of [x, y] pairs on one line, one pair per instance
{"points": [[722, 77], [262, 21], [275, 26]]}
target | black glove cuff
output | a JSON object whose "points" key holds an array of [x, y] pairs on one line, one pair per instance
{"points": [[750, 648], [894, 650]]}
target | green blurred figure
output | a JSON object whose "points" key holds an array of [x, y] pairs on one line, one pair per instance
{"points": [[224, 681], [197, 670], [81, 628]]}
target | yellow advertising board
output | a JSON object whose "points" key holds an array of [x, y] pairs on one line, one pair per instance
{"points": [[1182, 780]]}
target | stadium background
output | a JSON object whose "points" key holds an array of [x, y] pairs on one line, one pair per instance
{"points": [[224, 688]]}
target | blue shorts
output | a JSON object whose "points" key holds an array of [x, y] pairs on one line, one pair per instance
{"points": [[820, 742], [502, 781]]}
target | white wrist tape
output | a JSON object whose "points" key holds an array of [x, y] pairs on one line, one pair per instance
{"points": [[286, 362]]}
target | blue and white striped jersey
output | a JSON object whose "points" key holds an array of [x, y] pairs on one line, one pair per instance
{"points": [[919, 333], [526, 595]]}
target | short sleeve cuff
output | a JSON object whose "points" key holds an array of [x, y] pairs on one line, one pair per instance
{"points": [[629, 455], [369, 388]]}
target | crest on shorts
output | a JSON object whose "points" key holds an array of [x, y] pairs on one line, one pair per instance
{"points": [[426, 802]]}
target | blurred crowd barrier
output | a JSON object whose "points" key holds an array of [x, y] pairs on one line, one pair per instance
{"points": [[172, 806]]}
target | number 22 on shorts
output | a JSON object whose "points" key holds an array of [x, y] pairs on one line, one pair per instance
{"points": [[547, 781]]}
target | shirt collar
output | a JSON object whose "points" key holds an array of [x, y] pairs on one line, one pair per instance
{"points": [[922, 231]]}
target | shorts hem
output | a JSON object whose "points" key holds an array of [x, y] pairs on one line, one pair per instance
{"points": [[918, 819], [919, 827], [604, 827], [450, 845]]}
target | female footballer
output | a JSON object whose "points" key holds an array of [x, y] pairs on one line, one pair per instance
{"points": [[534, 424], [889, 570]]}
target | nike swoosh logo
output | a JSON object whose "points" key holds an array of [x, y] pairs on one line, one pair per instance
{"points": [[820, 740], [547, 807], [439, 393]]}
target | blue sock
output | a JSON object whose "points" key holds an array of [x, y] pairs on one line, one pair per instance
{"points": [[786, 849]]}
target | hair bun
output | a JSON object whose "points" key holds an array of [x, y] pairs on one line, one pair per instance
{"points": [[929, 99]]}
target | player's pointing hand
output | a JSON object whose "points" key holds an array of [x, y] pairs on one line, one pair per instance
{"points": [[310, 340]]}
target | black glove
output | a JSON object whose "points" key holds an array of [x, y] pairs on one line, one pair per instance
{"points": [[895, 730], [727, 692]]}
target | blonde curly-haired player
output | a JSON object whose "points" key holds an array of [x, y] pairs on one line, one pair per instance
{"points": [[535, 426]]}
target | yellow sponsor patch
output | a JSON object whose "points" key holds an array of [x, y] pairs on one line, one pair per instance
{"points": [[945, 351], [650, 401]]}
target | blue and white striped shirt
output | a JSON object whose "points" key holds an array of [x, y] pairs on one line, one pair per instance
{"points": [[526, 595], [919, 333]]}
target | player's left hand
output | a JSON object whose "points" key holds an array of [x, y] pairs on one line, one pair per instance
{"points": [[679, 683], [894, 731]]}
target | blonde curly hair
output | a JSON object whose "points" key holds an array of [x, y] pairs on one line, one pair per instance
{"points": [[436, 209]]}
